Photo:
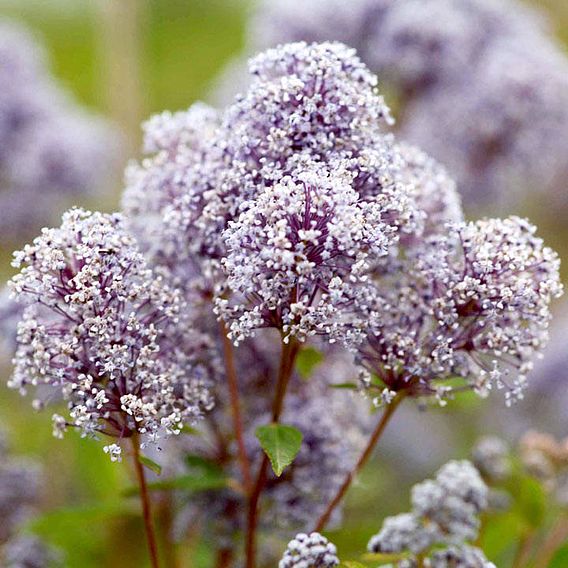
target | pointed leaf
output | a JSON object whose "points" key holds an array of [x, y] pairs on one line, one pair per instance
{"points": [[150, 464], [308, 359], [281, 444]]}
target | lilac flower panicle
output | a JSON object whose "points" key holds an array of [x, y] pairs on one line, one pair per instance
{"points": [[309, 551], [474, 303], [179, 147], [452, 501], [299, 249], [104, 330]]}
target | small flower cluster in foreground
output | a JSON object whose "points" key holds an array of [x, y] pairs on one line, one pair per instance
{"points": [[107, 333], [445, 513], [49, 147], [309, 551], [480, 85]]}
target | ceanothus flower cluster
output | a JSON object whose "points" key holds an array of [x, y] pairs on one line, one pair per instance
{"points": [[309, 551], [300, 251], [293, 209], [107, 333], [473, 303], [50, 148], [445, 512], [479, 84]]}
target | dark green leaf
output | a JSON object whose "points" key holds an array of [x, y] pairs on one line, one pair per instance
{"points": [[349, 386], [308, 359], [150, 464], [281, 444], [560, 558]]}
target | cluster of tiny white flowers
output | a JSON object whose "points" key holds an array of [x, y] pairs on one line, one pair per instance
{"points": [[309, 551], [474, 303], [107, 333], [300, 250], [445, 511]]}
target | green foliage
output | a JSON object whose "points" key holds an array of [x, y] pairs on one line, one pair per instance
{"points": [[281, 444], [306, 362], [150, 464], [560, 558]]}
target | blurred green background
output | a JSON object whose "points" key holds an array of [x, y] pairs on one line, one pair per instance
{"points": [[128, 59]]}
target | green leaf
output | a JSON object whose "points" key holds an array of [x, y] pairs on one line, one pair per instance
{"points": [[190, 483], [384, 558], [150, 464], [281, 444], [347, 386], [560, 558], [308, 359], [351, 564]]}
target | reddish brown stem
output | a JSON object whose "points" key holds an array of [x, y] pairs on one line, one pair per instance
{"points": [[287, 359], [379, 429], [224, 558], [556, 537], [146, 507], [236, 407]]}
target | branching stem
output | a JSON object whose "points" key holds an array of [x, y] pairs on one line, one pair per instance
{"points": [[146, 507], [287, 359], [236, 407], [375, 436]]}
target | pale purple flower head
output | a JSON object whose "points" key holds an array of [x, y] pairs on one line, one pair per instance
{"points": [[107, 333], [474, 303], [445, 512]]}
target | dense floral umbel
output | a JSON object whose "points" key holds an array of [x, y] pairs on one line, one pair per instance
{"points": [[309, 551], [300, 251], [471, 304], [480, 84], [445, 512], [49, 147], [107, 333]]}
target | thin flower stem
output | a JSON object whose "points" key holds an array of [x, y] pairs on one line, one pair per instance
{"points": [[379, 429], [524, 549], [146, 507], [288, 357], [224, 558], [236, 407], [557, 536]]}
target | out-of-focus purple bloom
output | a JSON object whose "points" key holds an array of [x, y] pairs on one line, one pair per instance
{"points": [[49, 147], [479, 84]]}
